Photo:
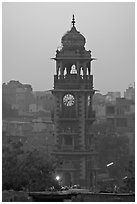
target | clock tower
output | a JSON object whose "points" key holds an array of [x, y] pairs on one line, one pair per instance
{"points": [[73, 115]]}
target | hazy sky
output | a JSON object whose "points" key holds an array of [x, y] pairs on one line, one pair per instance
{"points": [[31, 33]]}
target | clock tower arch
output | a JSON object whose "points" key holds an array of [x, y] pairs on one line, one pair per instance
{"points": [[73, 116]]}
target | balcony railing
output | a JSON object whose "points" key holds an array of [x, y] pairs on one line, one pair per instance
{"points": [[68, 133], [67, 147], [74, 148], [74, 81]]}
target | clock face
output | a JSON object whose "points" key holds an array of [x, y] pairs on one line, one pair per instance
{"points": [[68, 100]]}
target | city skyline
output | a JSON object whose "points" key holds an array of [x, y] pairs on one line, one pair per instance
{"points": [[30, 40]]}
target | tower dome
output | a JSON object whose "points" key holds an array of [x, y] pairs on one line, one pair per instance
{"points": [[73, 39]]}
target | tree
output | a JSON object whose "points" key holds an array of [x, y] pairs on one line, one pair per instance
{"points": [[130, 178], [38, 174], [112, 146], [10, 170], [28, 170]]}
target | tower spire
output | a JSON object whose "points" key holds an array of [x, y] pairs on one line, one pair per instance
{"points": [[73, 21]]}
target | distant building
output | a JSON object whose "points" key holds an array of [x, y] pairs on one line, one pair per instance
{"points": [[122, 117], [130, 93], [112, 96], [99, 106], [100, 110], [27, 116], [20, 97], [99, 99], [17, 95], [43, 101], [120, 113], [35, 134]]}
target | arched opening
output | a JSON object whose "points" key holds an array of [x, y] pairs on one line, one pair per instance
{"points": [[73, 69]]}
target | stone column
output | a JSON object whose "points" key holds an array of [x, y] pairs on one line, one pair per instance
{"points": [[60, 105], [76, 104], [56, 116], [84, 70], [78, 67], [57, 68], [82, 168], [61, 69], [89, 69], [82, 121]]}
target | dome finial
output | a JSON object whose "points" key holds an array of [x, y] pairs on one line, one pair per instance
{"points": [[73, 21]]}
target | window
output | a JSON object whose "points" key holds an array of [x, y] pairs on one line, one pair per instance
{"points": [[68, 140]]}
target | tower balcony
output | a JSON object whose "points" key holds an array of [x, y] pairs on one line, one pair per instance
{"points": [[68, 133], [76, 153], [72, 150], [68, 119], [65, 130], [73, 81], [67, 147]]}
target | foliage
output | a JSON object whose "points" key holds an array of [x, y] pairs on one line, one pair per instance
{"points": [[130, 179], [10, 165], [112, 146], [28, 170]]}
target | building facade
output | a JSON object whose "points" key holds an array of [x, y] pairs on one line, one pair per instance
{"points": [[112, 96], [130, 93], [73, 114], [122, 117], [18, 96], [34, 134]]}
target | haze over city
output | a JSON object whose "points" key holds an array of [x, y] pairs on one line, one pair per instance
{"points": [[68, 102], [33, 31]]}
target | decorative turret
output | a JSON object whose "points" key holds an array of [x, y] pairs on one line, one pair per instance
{"points": [[73, 40], [73, 56]]}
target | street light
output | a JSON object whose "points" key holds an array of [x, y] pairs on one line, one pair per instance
{"points": [[110, 164], [57, 178]]}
